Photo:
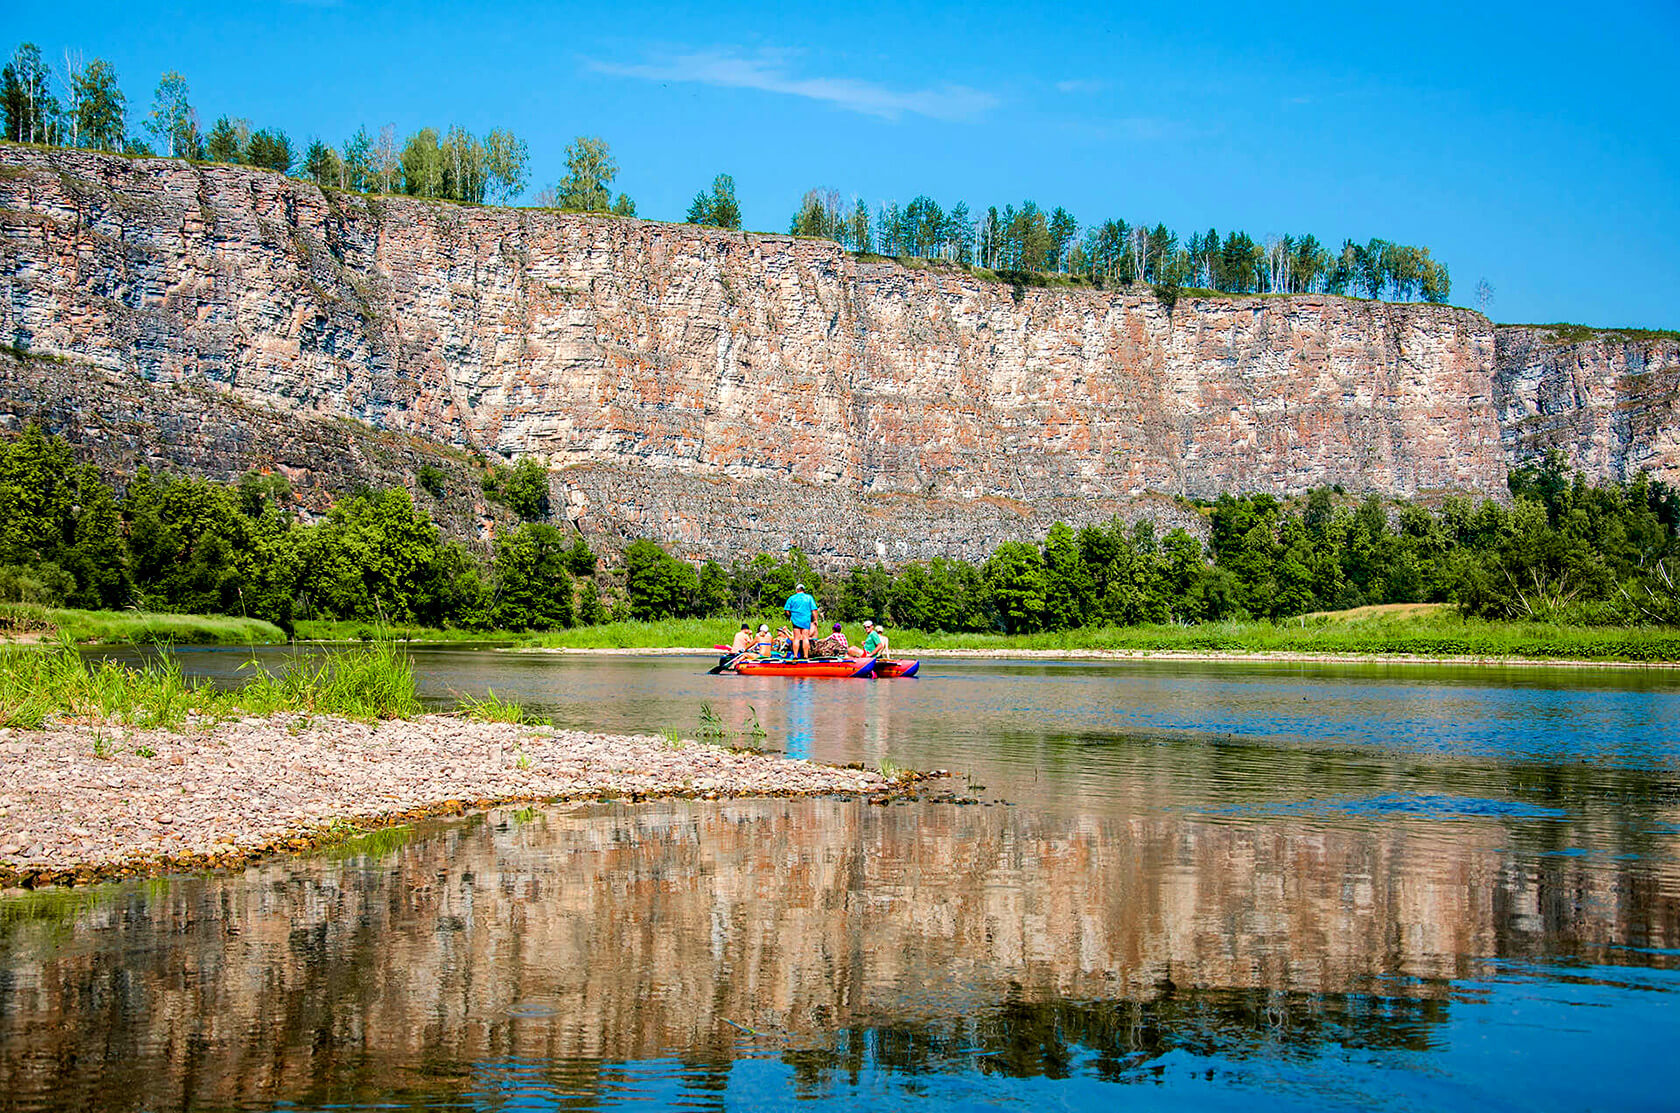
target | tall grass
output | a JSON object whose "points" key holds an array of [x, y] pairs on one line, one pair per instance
{"points": [[357, 630], [140, 627], [374, 682], [492, 708]]}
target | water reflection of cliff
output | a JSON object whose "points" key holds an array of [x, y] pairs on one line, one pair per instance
{"points": [[577, 939]]}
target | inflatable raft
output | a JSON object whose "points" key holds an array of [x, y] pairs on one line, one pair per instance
{"points": [[839, 667]]}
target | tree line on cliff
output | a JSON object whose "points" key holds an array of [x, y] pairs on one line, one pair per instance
{"points": [[1560, 549], [80, 104], [1030, 241]]}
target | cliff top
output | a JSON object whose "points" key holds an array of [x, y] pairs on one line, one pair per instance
{"points": [[1559, 332]]}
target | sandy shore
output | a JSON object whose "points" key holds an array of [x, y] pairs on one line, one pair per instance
{"points": [[221, 795], [1258, 657]]}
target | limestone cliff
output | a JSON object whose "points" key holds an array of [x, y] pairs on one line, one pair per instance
{"points": [[1610, 400], [734, 391]]}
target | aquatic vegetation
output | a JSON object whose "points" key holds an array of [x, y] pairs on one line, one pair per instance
{"points": [[373, 682], [373, 844], [712, 728], [492, 709], [714, 731]]}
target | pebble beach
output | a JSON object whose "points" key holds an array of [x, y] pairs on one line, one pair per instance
{"points": [[82, 802]]}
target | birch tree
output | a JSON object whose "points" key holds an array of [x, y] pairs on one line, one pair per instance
{"points": [[101, 109], [70, 76], [1484, 295], [507, 164], [26, 89], [173, 122], [590, 170]]}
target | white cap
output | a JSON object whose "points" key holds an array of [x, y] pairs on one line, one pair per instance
{"points": [[762, 629], [866, 622], [799, 587]]}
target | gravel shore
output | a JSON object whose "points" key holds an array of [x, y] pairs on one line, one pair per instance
{"points": [[81, 803]]}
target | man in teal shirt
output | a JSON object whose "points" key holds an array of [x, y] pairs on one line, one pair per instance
{"points": [[801, 610]]}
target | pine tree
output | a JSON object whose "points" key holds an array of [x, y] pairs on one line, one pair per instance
{"points": [[719, 208]]}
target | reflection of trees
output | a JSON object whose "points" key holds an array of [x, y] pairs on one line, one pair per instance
{"points": [[1118, 1040], [855, 937]]}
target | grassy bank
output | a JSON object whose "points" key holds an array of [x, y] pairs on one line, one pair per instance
{"points": [[138, 627], [1419, 630], [375, 682], [356, 630], [1440, 634]]}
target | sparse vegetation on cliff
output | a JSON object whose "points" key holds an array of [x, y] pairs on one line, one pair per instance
{"points": [[1562, 333]]}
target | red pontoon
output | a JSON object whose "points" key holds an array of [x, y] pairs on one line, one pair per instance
{"points": [[838, 667]]}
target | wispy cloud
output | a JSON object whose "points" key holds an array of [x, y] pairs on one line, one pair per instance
{"points": [[771, 71], [1086, 85]]}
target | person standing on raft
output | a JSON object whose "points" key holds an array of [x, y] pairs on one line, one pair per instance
{"points": [[801, 610]]}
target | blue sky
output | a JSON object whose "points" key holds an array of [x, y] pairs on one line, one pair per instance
{"points": [[1532, 145]]}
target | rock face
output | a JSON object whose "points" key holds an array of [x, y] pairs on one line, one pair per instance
{"points": [[730, 391], [1610, 401]]}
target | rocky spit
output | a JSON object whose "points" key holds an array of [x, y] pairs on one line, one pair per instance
{"points": [[83, 802]]}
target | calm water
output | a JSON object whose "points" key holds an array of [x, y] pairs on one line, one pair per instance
{"points": [[1236, 886]]}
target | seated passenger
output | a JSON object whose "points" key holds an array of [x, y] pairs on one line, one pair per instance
{"points": [[858, 650], [762, 645], [875, 645], [834, 645], [743, 639]]}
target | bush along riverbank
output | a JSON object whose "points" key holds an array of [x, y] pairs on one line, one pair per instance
{"points": [[109, 770], [1559, 551]]}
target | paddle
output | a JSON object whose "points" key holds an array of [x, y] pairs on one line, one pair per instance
{"points": [[721, 665]]}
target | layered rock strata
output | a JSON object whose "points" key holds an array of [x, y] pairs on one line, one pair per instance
{"points": [[1610, 401], [730, 392]]}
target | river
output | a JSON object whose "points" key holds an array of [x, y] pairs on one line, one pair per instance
{"points": [[1238, 885]]}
